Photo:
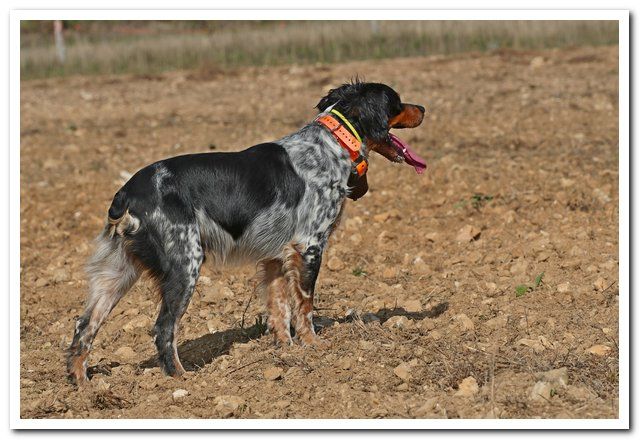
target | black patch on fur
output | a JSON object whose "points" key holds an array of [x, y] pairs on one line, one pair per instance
{"points": [[231, 188], [312, 258]]}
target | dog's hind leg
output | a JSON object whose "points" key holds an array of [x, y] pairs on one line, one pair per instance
{"points": [[176, 284], [300, 272], [111, 273]]}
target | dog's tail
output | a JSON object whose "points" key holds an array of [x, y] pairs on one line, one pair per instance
{"points": [[120, 220]]}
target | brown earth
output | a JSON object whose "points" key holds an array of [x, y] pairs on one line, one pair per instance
{"points": [[420, 308]]}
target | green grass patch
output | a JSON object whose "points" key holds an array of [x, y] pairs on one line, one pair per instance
{"points": [[523, 289]]}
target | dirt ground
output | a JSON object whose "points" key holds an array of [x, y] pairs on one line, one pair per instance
{"points": [[431, 292]]}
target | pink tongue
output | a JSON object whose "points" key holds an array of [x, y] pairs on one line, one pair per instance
{"points": [[410, 156]]}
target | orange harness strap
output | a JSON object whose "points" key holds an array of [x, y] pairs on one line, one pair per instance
{"points": [[348, 141]]}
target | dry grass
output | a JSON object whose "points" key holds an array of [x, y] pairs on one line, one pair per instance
{"points": [[152, 47]]}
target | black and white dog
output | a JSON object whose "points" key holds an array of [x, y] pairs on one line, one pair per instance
{"points": [[275, 204]]}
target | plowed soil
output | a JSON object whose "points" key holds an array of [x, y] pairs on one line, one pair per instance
{"points": [[450, 294]]}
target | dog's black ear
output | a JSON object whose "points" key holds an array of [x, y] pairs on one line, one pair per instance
{"points": [[374, 122], [326, 101], [358, 186]]}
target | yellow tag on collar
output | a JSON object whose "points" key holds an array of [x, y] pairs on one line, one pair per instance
{"points": [[348, 124]]}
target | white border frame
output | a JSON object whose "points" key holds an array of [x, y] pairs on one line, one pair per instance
{"points": [[622, 16]]}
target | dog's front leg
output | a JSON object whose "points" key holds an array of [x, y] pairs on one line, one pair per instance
{"points": [[301, 272], [272, 284]]}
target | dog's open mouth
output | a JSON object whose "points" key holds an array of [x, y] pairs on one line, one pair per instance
{"points": [[406, 153]]}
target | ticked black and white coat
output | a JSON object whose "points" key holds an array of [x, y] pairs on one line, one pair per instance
{"points": [[275, 204]]}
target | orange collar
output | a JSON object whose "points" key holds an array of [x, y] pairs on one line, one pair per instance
{"points": [[348, 141]]}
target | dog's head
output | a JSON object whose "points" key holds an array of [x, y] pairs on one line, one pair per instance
{"points": [[374, 109]]}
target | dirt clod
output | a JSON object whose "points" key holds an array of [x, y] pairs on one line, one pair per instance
{"points": [[403, 371], [226, 405], [599, 350], [468, 387], [179, 394], [468, 233], [273, 373]]}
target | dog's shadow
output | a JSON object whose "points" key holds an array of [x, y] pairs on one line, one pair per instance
{"points": [[197, 353]]}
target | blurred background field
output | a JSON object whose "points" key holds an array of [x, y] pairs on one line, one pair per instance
{"points": [[148, 47]]}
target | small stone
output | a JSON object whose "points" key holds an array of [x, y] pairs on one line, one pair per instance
{"points": [[205, 281], [403, 371], [102, 385], [403, 387], [390, 272], [425, 410], [366, 345], [601, 195], [384, 216], [353, 223], [468, 233], [125, 354], [179, 394], [491, 287], [210, 296], [609, 265], [558, 377], [541, 391], [468, 387], [335, 264], [509, 216], [141, 321], [41, 282], [566, 183], [412, 305], [345, 364], [543, 256], [273, 373], [282, 404], [599, 350], [400, 322], [216, 293], [213, 325], [131, 312], [427, 324], [380, 218], [537, 346], [497, 322], [294, 372], [579, 393], [600, 284], [466, 324], [537, 62], [519, 267], [370, 317], [60, 275], [431, 236], [226, 405], [563, 287]]}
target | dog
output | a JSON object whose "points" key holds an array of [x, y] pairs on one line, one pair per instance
{"points": [[275, 204]]}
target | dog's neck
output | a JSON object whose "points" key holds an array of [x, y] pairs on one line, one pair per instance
{"points": [[339, 127]]}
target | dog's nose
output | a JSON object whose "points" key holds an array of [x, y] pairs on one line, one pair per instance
{"points": [[421, 108]]}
